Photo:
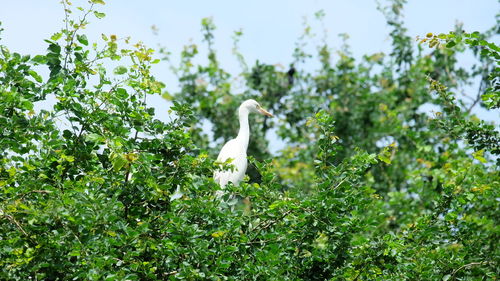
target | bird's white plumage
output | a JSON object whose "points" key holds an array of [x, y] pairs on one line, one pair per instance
{"points": [[236, 149]]}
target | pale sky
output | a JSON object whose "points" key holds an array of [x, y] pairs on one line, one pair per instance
{"points": [[270, 27]]}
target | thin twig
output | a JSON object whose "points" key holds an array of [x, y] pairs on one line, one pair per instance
{"points": [[130, 162], [478, 97], [269, 224], [22, 195], [72, 39], [340, 182], [171, 273], [67, 48], [13, 220], [467, 265]]}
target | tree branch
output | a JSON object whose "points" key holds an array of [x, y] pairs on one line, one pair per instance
{"points": [[22, 195], [269, 224], [478, 97], [467, 265], [14, 221]]}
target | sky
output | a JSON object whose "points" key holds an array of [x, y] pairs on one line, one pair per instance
{"points": [[270, 27]]}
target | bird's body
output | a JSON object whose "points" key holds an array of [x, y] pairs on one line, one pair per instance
{"points": [[236, 149], [232, 149]]}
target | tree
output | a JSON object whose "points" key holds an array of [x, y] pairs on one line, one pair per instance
{"points": [[369, 187]]}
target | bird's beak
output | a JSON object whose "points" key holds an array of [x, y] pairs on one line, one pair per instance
{"points": [[264, 112]]}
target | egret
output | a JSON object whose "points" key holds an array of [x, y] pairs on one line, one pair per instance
{"points": [[236, 149]]}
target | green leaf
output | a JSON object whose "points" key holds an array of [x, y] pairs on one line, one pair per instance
{"points": [[451, 44], [387, 153], [26, 104], [478, 155], [384, 158], [99, 15], [167, 96], [119, 162], [121, 93], [321, 242], [93, 137], [56, 36], [120, 70], [67, 158], [82, 39], [39, 59], [475, 34], [54, 48], [218, 234], [35, 75]]}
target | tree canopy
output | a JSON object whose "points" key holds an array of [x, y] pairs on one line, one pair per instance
{"points": [[369, 186]]}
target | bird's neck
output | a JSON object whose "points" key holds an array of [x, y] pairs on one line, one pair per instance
{"points": [[244, 132]]}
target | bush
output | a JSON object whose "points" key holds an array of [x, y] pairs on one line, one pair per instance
{"points": [[369, 187]]}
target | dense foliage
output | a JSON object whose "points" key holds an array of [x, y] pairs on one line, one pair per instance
{"points": [[368, 187]]}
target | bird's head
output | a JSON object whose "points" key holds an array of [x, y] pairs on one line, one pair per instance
{"points": [[253, 106]]}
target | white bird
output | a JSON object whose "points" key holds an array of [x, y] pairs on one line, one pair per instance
{"points": [[236, 149]]}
